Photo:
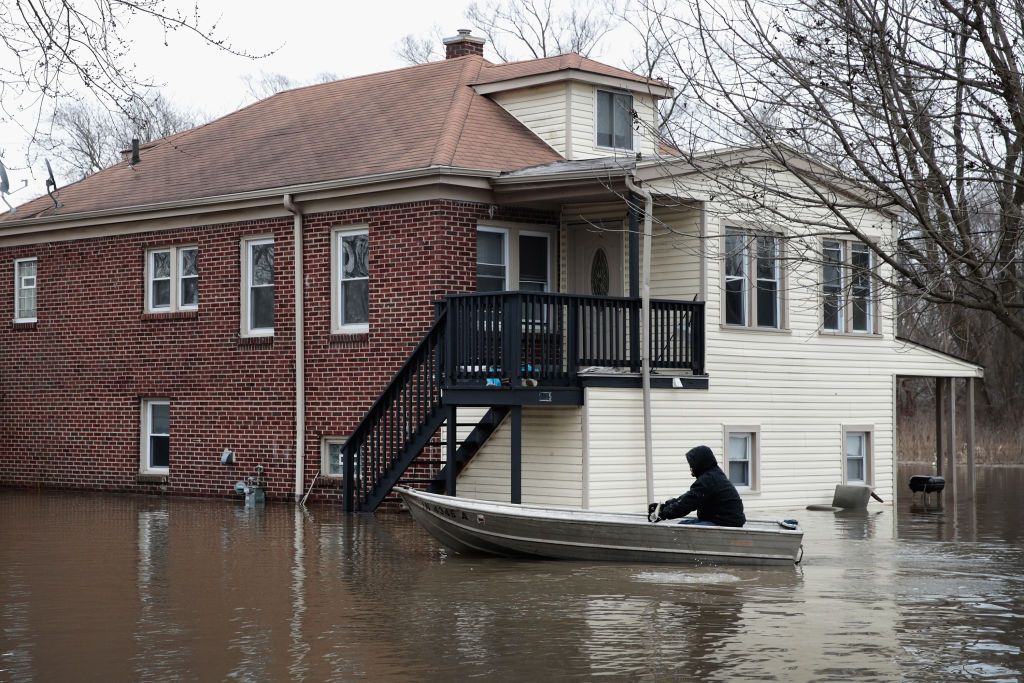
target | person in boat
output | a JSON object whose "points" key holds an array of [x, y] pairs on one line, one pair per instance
{"points": [[712, 495]]}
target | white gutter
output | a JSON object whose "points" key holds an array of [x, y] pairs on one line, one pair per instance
{"points": [[300, 350], [645, 333]]}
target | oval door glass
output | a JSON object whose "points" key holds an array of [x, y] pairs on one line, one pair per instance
{"points": [[600, 277]]}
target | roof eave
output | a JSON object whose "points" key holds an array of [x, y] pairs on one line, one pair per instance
{"points": [[254, 197], [653, 89]]}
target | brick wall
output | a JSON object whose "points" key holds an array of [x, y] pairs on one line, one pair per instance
{"points": [[71, 385]]}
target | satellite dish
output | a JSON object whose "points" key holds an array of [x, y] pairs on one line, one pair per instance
{"points": [[51, 185], [5, 187]]}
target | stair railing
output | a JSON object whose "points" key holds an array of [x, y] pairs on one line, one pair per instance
{"points": [[379, 449]]}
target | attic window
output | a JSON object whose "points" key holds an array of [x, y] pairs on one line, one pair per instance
{"points": [[614, 118]]}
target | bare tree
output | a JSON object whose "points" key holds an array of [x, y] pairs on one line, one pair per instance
{"points": [[412, 49], [53, 50], [920, 102], [263, 85], [542, 28], [85, 138]]}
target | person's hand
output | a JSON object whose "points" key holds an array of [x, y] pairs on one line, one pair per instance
{"points": [[654, 512]]}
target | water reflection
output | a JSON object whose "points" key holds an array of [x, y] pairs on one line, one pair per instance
{"points": [[149, 589]]}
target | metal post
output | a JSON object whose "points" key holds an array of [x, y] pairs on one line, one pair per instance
{"points": [[952, 437], [451, 447], [939, 407], [517, 454], [633, 211], [970, 437]]}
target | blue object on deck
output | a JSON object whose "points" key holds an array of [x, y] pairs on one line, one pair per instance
{"points": [[493, 382]]}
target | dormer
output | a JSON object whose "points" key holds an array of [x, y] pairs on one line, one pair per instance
{"points": [[581, 108]]}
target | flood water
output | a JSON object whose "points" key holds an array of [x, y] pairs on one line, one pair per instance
{"points": [[106, 588]]}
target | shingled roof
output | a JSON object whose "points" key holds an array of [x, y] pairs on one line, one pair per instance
{"points": [[412, 118], [495, 73]]}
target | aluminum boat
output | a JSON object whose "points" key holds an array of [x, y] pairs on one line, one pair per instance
{"points": [[482, 527]]}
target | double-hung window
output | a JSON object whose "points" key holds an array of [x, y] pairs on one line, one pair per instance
{"points": [[857, 455], [513, 258], [846, 287], [351, 291], [156, 436], [614, 120], [25, 290], [753, 282], [258, 287], [741, 456], [492, 260], [172, 279]]}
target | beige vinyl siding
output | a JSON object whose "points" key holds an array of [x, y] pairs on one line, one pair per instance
{"points": [[584, 122], [800, 449], [552, 461], [675, 253], [541, 109]]}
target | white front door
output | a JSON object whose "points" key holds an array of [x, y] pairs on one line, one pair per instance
{"points": [[596, 258]]}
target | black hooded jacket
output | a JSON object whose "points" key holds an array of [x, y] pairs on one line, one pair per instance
{"points": [[712, 495]]}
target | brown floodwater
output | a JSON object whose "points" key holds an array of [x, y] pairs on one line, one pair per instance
{"points": [[107, 588]]}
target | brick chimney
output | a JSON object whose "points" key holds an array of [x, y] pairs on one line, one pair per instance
{"points": [[463, 44]]}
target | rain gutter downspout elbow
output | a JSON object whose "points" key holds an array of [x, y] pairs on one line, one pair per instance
{"points": [[300, 349], [645, 331]]}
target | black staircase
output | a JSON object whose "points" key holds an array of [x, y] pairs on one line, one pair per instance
{"points": [[397, 426], [469, 447], [502, 349]]}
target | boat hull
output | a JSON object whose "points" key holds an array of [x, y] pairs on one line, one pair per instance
{"points": [[480, 527]]}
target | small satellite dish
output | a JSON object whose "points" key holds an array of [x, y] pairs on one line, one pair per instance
{"points": [[5, 187], [51, 184]]}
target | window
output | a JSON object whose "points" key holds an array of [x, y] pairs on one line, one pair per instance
{"points": [[172, 281], [514, 258], [258, 282], [753, 289], [846, 287], [857, 464], [352, 281], [614, 120], [491, 260], [156, 436], [332, 463], [25, 290], [741, 456]]}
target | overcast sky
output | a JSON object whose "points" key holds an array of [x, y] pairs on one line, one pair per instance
{"points": [[310, 37]]}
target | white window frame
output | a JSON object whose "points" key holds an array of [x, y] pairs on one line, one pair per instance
{"points": [[869, 453], [175, 279], [506, 236], [19, 287], [325, 459], [549, 275], [147, 422], [337, 234], [750, 281], [632, 133], [511, 232], [846, 247], [754, 462], [247, 244]]}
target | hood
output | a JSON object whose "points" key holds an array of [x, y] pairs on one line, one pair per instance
{"points": [[701, 459]]}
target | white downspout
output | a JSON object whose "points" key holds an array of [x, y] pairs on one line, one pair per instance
{"points": [[645, 312], [300, 351]]}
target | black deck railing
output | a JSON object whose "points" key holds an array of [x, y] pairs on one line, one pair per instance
{"points": [[548, 338], [519, 338]]}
